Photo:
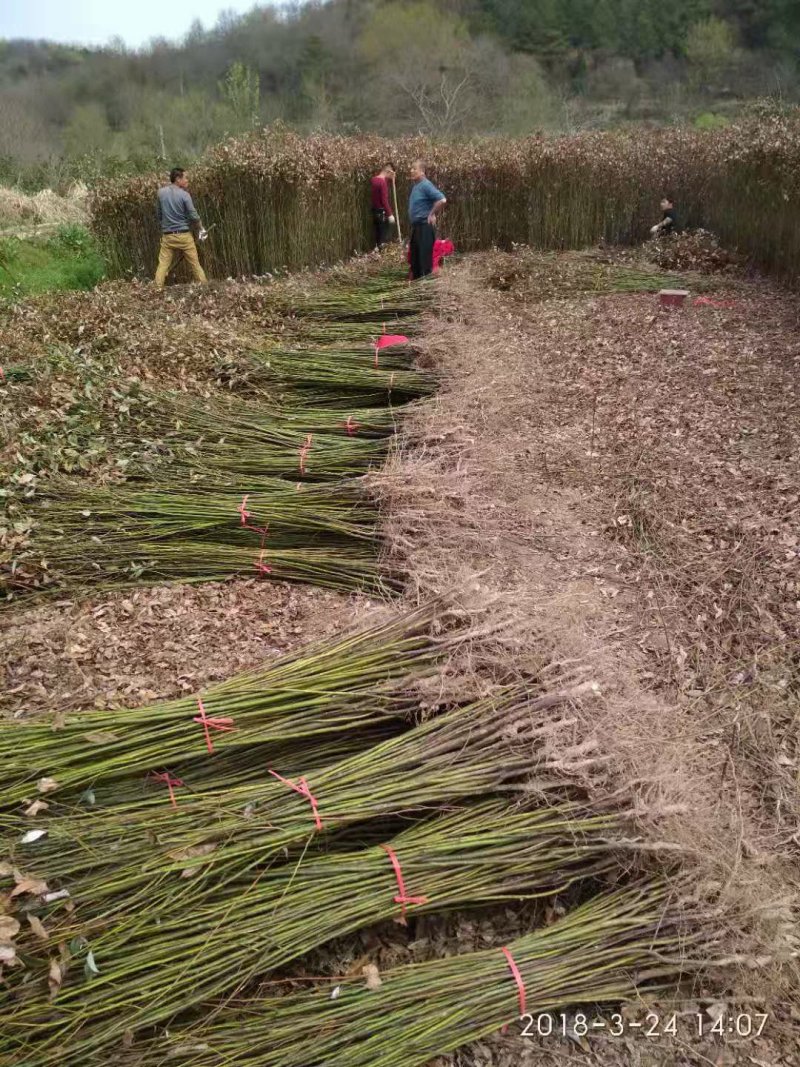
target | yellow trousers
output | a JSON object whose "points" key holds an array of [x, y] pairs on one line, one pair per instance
{"points": [[174, 248]]}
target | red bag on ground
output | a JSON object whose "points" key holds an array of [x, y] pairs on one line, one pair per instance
{"points": [[440, 250], [386, 340]]}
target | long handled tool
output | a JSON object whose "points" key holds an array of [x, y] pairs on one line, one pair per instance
{"points": [[396, 212]]}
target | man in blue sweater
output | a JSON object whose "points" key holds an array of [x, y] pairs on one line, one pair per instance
{"points": [[424, 204], [179, 224]]}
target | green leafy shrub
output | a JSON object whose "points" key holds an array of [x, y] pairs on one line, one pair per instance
{"points": [[70, 259], [709, 121]]}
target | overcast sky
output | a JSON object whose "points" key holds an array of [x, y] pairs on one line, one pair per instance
{"points": [[97, 21]]}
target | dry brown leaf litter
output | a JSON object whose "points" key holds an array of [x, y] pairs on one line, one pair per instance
{"points": [[132, 648], [515, 478], [513, 485]]}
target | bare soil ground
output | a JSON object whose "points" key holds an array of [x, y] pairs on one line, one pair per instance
{"points": [[627, 479]]}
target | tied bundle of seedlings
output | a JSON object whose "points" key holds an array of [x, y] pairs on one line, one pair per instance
{"points": [[110, 862], [243, 454], [284, 424], [324, 533], [344, 685], [371, 299], [202, 561], [319, 333], [159, 562], [334, 513], [237, 437], [348, 420], [617, 946], [366, 374], [475, 856]]}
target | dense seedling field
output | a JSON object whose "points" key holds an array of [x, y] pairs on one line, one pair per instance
{"points": [[564, 192]]}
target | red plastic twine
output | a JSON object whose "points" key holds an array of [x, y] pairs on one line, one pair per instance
{"points": [[301, 787], [170, 782], [211, 723], [518, 979], [707, 301], [402, 897], [304, 452], [245, 514], [260, 565], [350, 426]]}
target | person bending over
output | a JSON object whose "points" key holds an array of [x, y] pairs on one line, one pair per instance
{"points": [[424, 204], [180, 225]]}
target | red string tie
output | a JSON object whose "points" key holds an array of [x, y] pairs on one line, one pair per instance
{"points": [[260, 565], [402, 897], [351, 426], [211, 723], [170, 782], [304, 450], [520, 984], [242, 509], [707, 301], [245, 514], [301, 787]]}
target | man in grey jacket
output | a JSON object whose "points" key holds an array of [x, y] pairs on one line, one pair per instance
{"points": [[179, 224]]}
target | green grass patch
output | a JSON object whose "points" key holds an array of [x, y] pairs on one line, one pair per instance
{"points": [[70, 259]]}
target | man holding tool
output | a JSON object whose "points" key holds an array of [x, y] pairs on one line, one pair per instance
{"points": [[180, 225]]}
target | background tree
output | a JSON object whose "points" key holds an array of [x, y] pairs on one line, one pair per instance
{"points": [[711, 51], [426, 64], [88, 132], [242, 93], [442, 66]]}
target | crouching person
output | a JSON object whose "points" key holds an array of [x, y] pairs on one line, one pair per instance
{"points": [[668, 222]]}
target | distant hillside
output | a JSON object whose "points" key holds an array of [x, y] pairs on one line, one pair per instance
{"points": [[394, 66]]}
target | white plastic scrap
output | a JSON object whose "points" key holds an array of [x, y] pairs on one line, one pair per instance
{"points": [[59, 894], [31, 836]]}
